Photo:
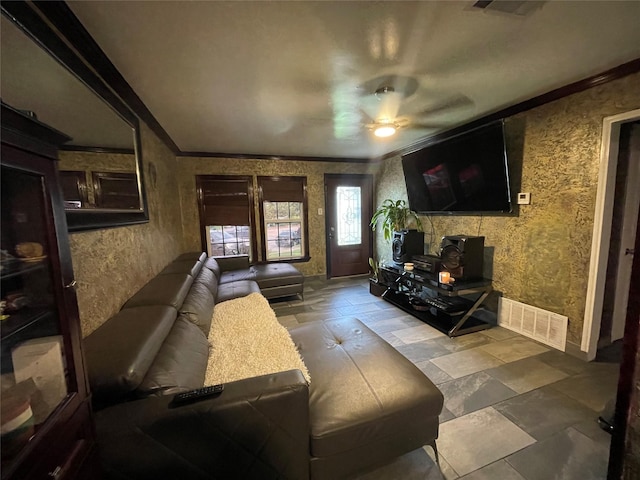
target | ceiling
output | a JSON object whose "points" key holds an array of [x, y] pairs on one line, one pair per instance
{"points": [[299, 78]]}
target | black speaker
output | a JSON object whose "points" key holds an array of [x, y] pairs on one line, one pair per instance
{"points": [[407, 243], [462, 256]]}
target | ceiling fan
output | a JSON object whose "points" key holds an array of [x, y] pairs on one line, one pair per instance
{"points": [[385, 104]]}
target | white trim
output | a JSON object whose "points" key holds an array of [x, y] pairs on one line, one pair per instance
{"points": [[602, 235]]}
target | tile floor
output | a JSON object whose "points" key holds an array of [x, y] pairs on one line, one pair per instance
{"points": [[514, 408]]}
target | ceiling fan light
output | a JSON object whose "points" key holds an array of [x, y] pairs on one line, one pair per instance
{"points": [[384, 131]]}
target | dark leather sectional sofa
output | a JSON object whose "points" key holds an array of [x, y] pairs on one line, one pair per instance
{"points": [[366, 403]]}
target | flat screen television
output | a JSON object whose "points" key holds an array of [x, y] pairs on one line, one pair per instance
{"points": [[465, 174]]}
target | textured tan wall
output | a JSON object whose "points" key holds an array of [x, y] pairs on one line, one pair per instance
{"points": [[95, 161], [540, 256], [112, 264], [189, 167]]}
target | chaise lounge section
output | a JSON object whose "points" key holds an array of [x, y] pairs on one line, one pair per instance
{"points": [[365, 403]]}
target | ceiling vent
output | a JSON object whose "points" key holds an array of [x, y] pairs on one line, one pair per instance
{"points": [[512, 7]]}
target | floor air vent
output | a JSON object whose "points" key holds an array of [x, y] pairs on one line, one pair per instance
{"points": [[541, 325]]}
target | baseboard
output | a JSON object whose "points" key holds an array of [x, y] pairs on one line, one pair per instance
{"points": [[573, 349]]}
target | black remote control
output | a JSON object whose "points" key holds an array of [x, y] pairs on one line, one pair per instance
{"points": [[196, 395]]}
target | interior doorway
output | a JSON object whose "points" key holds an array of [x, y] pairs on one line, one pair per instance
{"points": [[349, 207], [604, 253]]}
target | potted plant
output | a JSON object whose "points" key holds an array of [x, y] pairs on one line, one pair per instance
{"points": [[376, 287], [395, 217]]}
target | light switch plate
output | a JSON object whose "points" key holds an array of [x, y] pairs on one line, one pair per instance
{"points": [[524, 198]]}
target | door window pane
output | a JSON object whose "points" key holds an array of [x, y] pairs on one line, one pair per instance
{"points": [[349, 218]]}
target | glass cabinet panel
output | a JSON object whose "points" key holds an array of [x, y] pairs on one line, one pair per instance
{"points": [[34, 378]]}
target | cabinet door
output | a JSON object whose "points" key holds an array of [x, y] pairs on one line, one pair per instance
{"points": [[39, 376]]}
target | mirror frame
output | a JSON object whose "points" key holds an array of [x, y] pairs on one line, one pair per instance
{"points": [[39, 30]]}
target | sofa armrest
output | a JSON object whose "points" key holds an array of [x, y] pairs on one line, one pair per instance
{"points": [[233, 262], [257, 428]]}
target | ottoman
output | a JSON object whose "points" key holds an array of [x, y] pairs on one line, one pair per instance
{"points": [[278, 279], [368, 404]]}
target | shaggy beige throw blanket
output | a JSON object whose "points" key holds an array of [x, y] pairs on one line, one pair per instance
{"points": [[247, 340]]}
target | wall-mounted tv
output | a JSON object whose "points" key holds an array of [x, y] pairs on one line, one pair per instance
{"points": [[465, 174]]}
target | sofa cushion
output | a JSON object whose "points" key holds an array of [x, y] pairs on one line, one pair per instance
{"points": [[240, 288], [120, 351], [212, 264], [208, 279], [198, 306], [169, 289], [183, 266], [270, 275], [362, 389], [180, 364], [236, 276], [233, 262]]}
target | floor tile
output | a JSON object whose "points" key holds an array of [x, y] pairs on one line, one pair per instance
{"points": [[436, 375], [499, 470], [526, 375], [568, 455], [331, 302], [499, 333], [563, 361], [473, 392], [445, 415], [447, 470], [357, 309], [544, 412], [478, 439], [416, 465], [465, 342], [466, 362], [594, 387], [391, 339], [317, 316], [591, 428], [421, 351], [288, 321], [514, 349], [365, 299], [385, 325], [417, 334]]}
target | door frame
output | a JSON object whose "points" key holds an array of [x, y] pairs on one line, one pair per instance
{"points": [[629, 229], [360, 176], [609, 150]]}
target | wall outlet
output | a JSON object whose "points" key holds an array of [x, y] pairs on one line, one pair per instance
{"points": [[524, 198], [319, 211]]}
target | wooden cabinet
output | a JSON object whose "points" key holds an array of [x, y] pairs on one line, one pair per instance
{"points": [[47, 427]]}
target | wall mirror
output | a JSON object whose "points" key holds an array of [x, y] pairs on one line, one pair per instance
{"points": [[101, 166]]}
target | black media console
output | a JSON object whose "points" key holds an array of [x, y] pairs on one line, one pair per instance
{"points": [[447, 307]]}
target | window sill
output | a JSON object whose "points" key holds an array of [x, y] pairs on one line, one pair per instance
{"points": [[286, 260]]}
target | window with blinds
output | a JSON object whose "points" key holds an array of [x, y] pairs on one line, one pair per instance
{"points": [[226, 214], [283, 216]]}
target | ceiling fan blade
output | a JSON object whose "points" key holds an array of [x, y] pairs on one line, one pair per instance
{"points": [[449, 104]]}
